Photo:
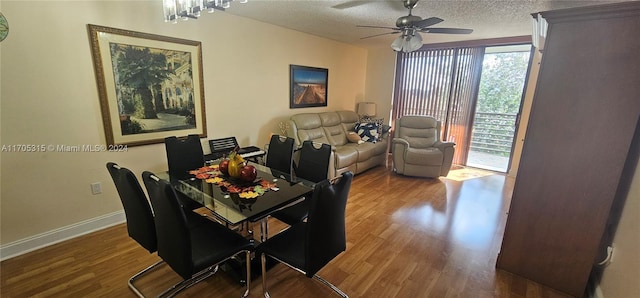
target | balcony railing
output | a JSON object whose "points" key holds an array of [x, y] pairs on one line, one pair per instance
{"points": [[493, 133]]}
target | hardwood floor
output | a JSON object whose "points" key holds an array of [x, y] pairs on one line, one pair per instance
{"points": [[406, 237]]}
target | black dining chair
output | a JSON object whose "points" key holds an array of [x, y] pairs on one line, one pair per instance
{"points": [[192, 252], [140, 224], [313, 165], [280, 154], [309, 246], [183, 154]]}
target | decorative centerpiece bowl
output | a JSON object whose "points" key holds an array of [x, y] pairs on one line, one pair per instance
{"points": [[236, 167]]}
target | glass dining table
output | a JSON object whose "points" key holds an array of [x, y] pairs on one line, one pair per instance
{"points": [[234, 202]]}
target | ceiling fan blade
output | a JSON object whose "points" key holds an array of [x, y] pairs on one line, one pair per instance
{"points": [[380, 34], [395, 5], [380, 27], [349, 4], [390, 4], [428, 22], [447, 30]]}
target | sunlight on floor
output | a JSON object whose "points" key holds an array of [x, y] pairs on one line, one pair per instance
{"points": [[467, 173], [467, 215]]}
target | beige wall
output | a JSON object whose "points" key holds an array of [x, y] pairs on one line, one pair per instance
{"points": [[49, 96], [620, 278], [381, 65]]}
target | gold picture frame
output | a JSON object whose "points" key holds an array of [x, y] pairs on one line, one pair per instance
{"points": [[150, 86]]}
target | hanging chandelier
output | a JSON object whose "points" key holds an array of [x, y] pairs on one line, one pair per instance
{"points": [[191, 9]]}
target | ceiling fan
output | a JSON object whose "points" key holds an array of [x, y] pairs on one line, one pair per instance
{"points": [[410, 27]]}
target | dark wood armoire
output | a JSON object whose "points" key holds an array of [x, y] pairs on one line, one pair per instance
{"points": [[580, 148]]}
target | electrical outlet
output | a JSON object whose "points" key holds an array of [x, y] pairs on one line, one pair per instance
{"points": [[96, 188]]}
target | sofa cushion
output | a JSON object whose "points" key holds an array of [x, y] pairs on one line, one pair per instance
{"points": [[367, 131], [348, 116], [332, 128], [309, 127], [425, 157], [317, 135], [307, 120], [329, 119], [336, 135], [419, 132], [348, 119], [420, 137], [368, 150], [346, 155]]}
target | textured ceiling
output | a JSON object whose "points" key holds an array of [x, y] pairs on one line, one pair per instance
{"points": [[337, 19]]}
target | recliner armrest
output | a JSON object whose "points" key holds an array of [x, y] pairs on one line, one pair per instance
{"points": [[400, 141], [448, 149], [443, 145]]}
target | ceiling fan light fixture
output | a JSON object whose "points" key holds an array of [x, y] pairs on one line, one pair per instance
{"points": [[415, 42], [407, 42], [397, 43], [406, 48]]}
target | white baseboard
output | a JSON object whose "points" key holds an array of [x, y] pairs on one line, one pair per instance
{"points": [[32, 243]]}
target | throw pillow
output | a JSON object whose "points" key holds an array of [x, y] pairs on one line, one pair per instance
{"points": [[379, 122], [385, 128], [354, 138], [368, 132]]}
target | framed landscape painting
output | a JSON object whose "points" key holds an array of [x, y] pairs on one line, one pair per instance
{"points": [[150, 86], [308, 86]]}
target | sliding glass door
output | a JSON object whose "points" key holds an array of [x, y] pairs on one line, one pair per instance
{"points": [[498, 107]]}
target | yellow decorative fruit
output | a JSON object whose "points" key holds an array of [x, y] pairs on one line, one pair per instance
{"points": [[236, 162]]}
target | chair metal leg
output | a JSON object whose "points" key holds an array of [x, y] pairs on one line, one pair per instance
{"points": [[204, 274], [330, 285], [248, 268], [264, 229], [322, 280], [138, 275], [263, 260], [185, 284]]}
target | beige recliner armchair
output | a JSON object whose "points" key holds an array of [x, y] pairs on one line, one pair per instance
{"points": [[417, 150]]}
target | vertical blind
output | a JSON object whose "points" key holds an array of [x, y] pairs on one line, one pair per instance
{"points": [[442, 83]]}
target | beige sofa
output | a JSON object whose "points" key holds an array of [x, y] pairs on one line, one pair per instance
{"points": [[332, 128]]}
